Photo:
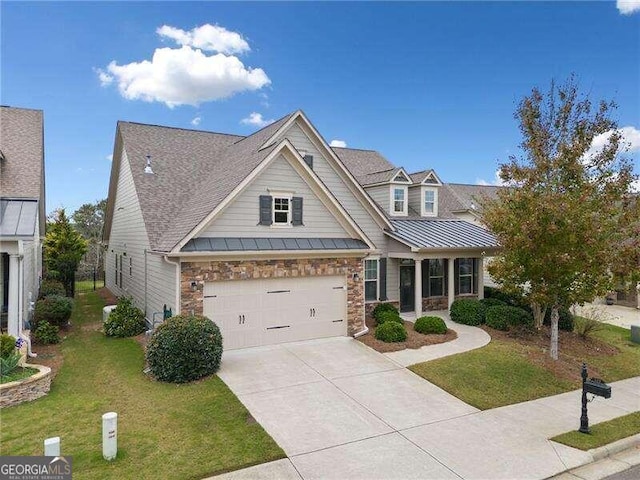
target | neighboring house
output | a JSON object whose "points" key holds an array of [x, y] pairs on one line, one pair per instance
{"points": [[277, 236], [22, 213]]}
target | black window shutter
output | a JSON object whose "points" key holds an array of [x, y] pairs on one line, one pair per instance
{"points": [[265, 210], [445, 289], [383, 279], [308, 159], [456, 276], [474, 287], [296, 210]]}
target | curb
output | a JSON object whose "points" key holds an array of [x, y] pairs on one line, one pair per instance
{"points": [[615, 447]]}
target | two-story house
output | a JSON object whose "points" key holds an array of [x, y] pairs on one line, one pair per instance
{"points": [[276, 236]]}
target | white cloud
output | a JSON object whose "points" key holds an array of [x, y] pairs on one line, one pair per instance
{"points": [[186, 75], [627, 7], [497, 181], [338, 143], [211, 38], [629, 142], [265, 100], [196, 121], [255, 119], [109, 157]]}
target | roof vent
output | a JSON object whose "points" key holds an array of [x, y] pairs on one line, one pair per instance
{"points": [[2, 155], [147, 169]]}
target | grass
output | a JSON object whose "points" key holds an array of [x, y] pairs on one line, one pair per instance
{"points": [[602, 433], [18, 374], [502, 373], [87, 285], [491, 376], [164, 430]]}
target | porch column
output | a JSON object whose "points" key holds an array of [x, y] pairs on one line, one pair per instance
{"points": [[13, 317], [480, 278], [451, 287], [418, 288]]}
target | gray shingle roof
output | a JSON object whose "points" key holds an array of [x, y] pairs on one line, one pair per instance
{"points": [[440, 233], [260, 244], [18, 217], [363, 162], [456, 197], [378, 177]]}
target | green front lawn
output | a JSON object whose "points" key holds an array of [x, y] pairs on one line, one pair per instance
{"points": [[602, 433], [508, 371], [164, 430]]}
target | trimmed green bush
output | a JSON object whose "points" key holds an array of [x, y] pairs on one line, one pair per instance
{"points": [[383, 308], [503, 317], [492, 302], [46, 334], [565, 319], [7, 345], [512, 299], [52, 287], [428, 325], [467, 311], [184, 348], [54, 309], [126, 320], [391, 332], [385, 317]]}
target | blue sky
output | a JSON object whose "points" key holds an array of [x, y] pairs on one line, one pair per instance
{"points": [[429, 85]]}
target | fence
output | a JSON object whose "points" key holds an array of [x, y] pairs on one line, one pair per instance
{"points": [[88, 280]]}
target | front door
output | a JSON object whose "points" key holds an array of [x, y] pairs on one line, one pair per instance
{"points": [[407, 292]]}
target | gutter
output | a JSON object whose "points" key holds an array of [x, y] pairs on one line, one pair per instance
{"points": [[177, 265], [362, 332]]}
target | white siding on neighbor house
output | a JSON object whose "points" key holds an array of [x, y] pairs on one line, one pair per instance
{"points": [[241, 218], [415, 199], [128, 236], [30, 281], [337, 186], [381, 194], [393, 279]]}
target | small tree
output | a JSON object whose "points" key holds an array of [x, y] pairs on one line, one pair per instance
{"points": [[63, 249], [88, 220], [558, 223]]}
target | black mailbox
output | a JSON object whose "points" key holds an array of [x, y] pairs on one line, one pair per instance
{"points": [[597, 387]]}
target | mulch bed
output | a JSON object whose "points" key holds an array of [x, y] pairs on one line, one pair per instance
{"points": [[108, 297], [573, 350], [414, 339], [49, 356]]}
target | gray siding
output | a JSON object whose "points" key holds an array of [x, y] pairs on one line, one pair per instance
{"points": [[128, 235], [30, 282], [381, 194], [393, 279], [241, 218], [338, 187], [415, 199]]}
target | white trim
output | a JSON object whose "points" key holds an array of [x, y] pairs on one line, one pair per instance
{"points": [[178, 266], [435, 177], [281, 196], [392, 207], [404, 182], [267, 254], [423, 194], [372, 258], [320, 190]]}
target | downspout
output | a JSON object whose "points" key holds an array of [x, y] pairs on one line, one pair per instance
{"points": [[177, 265], [365, 330], [20, 286], [145, 283]]}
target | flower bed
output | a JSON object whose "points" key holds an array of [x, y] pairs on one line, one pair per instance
{"points": [[27, 389]]}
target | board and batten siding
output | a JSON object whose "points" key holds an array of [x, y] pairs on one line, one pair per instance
{"points": [[381, 194], [337, 186], [128, 237], [241, 217]]}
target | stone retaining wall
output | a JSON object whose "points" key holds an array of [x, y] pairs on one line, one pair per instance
{"points": [[27, 389]]}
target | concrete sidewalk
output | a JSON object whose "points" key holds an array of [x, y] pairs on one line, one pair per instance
{"points": [[613, 314]]}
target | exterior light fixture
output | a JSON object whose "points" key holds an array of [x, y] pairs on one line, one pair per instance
{"points": [[194, 286], [356, 277], [147, 169]]}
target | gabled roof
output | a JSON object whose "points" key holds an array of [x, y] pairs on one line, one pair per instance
{"points": [[362, 163], [457, 197], [22, 165], [439, 234], [426, 177]]}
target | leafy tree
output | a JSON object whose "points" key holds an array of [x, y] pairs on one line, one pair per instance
{"points": [[63, 249], [558, 222], [88, 219]]}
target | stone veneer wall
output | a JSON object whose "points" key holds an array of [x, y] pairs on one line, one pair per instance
{"points": [[210, 271], [428, 303], [27, 389]]}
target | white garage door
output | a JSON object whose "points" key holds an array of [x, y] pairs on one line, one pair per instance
{"points": [[269, 311]]}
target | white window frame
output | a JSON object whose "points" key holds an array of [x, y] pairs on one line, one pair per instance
{"points": [[377, 279], [281, 196], [405, 202], [470, 275], [424, 211]]}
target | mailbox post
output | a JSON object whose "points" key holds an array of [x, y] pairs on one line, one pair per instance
{"points": [[596, 387]]}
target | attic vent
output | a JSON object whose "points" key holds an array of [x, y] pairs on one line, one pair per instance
{"points": [[148, 169], [2, 155]]}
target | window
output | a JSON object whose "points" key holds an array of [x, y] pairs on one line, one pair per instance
{"points": [[399, 200], [434, 277], [281, 211], [429, 202], [465, 276], [371, 280], [130, 266]]}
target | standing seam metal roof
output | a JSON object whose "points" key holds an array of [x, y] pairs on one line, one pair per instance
{"points": [[438, 234], [18, 217]]}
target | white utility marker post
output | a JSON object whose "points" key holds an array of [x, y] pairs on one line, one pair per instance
{"points": [[110, 435], [52, 447]]}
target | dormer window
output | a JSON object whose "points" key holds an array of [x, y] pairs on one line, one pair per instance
{"points": [[429, 202], [399, 200]]}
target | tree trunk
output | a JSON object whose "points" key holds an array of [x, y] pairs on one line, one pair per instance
{"points": [[554, 332], [539, 311]]}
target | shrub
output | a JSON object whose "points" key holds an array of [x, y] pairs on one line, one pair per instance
{"points": [[383, 308], [391, 332], [492, 302], [9, 364], [7, 345], [389, 316], [565, 319], [503, 317], [430, 325], [126, 320], [586, 326], [184, 348], [54, 309], [512, 299], [467, 311], [51, 287], [47, 334]]}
